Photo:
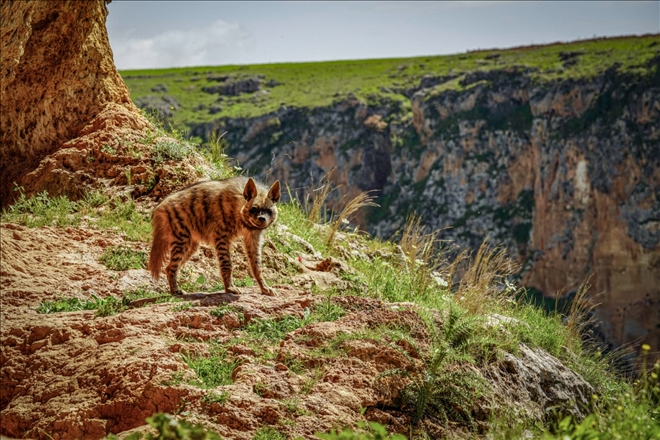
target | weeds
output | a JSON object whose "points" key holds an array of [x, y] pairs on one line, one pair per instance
{"points": [[272, 329], [212, 397], [170, 150], [485, 280], [318, 196], [372, 431], [310, 382], [268, 433], [175, 429], [107, 306], [362, 200], [211, 371], [422, 257], [66, 305], [123, 258], [215, 153], [222, 310], [445, 389]]}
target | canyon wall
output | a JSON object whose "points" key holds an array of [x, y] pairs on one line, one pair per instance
{"points": [[566, 174]]}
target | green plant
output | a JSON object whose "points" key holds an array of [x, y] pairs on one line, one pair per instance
{"points": [[294, 407], [222, 310], [107, 149], [213, 370], [212, 397], [268, 433], [247, 281], [273, 329], [168, 149], [108, 306], [66, 305], [260, 389], [372, 431], [181, 307], [123, 258], [175, 379], [443, 390], [308, 384], [170, 428]]}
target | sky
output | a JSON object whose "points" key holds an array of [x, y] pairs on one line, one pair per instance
{"points": [[155, 34]]}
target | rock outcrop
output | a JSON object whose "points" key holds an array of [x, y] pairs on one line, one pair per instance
{"points": [[565, 173], [59, 83]]}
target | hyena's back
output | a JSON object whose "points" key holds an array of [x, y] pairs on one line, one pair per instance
{"points": [[197, 213]]}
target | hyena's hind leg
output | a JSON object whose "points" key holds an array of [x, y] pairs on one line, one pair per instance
{"points": [[179, 254]]}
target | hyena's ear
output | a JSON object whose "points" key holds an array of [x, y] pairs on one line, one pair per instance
{"points": [[250, 190], [274, 192]]}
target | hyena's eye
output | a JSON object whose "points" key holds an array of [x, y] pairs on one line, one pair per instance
{"points": [[254, 211]]}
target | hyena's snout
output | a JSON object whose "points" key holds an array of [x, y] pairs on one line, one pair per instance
{"points": [[263, 219]]}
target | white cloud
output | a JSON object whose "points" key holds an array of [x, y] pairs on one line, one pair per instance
{"points": [[219, 43]]}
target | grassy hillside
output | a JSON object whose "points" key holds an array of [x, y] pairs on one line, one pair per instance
{"points": [[317, 84], [467, 339]]}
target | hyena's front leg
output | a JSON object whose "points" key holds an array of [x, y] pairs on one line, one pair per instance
{"points": [[222, 246], [252, 243], [180, 251]]}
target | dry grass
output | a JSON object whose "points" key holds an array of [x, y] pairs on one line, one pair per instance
{"points": [[579, 313], [318, 194], [420, 250], [362, 200], [486, 278]]}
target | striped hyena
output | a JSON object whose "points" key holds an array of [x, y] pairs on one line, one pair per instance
{"points": [[216, 213]]}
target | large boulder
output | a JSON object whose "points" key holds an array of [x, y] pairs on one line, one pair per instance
{"points": [[58, 82]]}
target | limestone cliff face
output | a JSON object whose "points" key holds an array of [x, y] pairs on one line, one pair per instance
{"points": [[59, 82], [566, 174]]}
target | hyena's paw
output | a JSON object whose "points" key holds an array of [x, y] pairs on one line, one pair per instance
{"points": [[268, 291], [233, 289], [178, 292]]}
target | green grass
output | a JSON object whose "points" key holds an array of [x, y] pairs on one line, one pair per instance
{"points": [[93, 211], [222, 310], [123, 258], [172, 428], [213, 370], [213, 397], [370, 431], [269, 433], [319, 84], [107, 306], [66, 305]]}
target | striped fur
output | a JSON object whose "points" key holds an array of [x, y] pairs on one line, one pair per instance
{"points": [[216, 213]]}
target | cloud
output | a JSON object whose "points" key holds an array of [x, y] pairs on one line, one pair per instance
{"points": [[218, 43]]}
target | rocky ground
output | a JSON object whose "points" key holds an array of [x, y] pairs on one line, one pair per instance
{"points": [[78, 375]]}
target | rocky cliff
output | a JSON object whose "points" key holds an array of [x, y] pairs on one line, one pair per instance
{"points": [[60, 96], [564, 171]]}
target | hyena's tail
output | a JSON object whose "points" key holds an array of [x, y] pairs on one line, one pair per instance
{"points": [[160, 246]]}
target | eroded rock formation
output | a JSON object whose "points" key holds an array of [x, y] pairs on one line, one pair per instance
{"points": [[59, 83]]}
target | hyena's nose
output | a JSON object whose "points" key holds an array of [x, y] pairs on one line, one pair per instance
{"points": [[262, 218]]}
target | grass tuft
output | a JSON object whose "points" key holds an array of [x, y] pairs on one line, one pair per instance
{"points": [[123, 258]]}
